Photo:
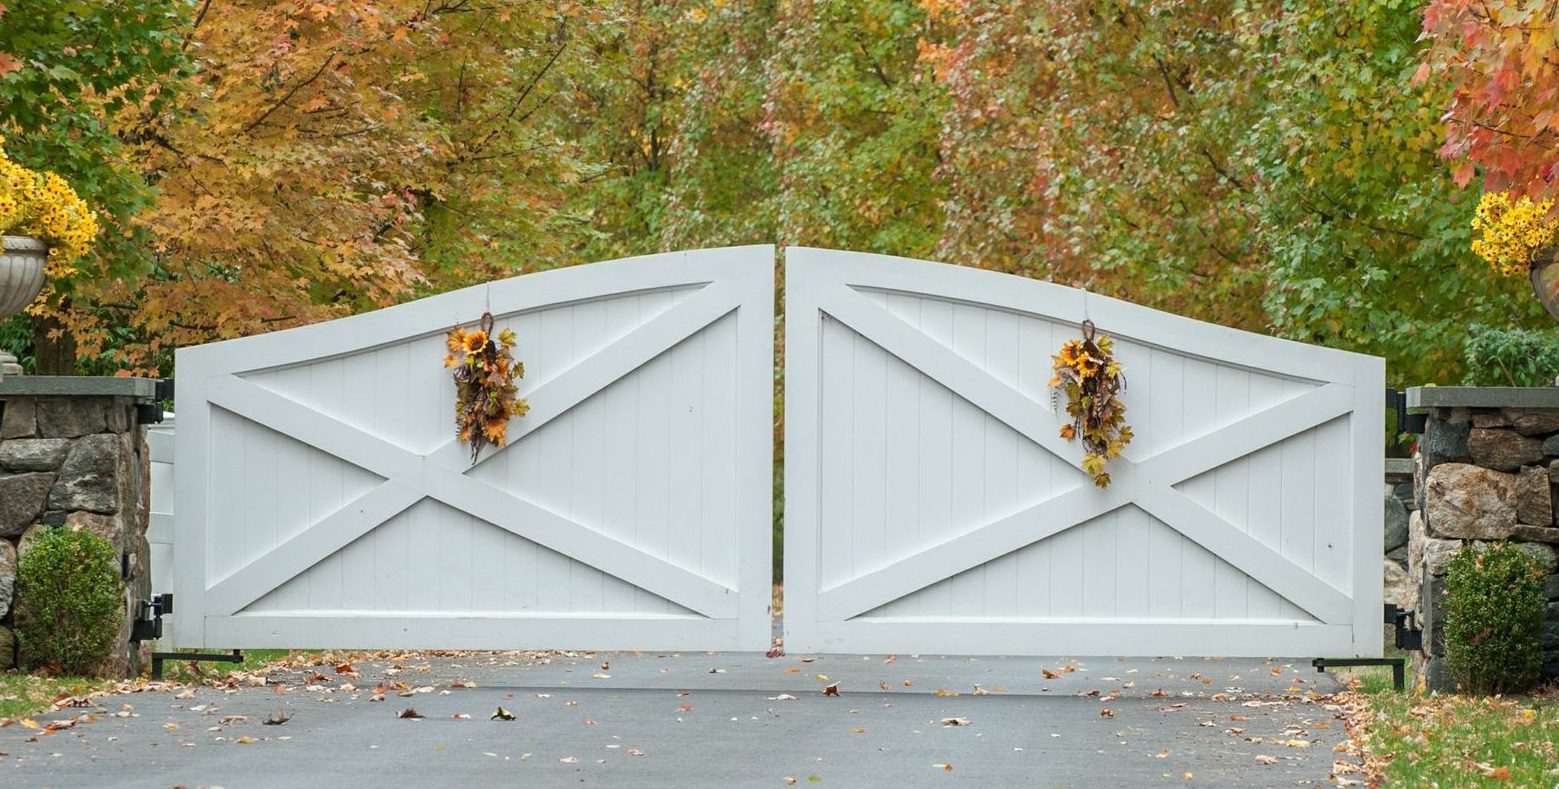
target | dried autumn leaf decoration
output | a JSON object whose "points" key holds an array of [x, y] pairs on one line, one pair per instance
{"points": [[1086, 371], [485, 395]]}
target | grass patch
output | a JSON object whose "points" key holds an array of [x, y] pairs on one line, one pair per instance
{"points": [[254, 659], [1456, 740], [27, 694]]}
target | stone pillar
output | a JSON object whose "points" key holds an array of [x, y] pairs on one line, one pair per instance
{"points": [[1487, 470], [73, 456]]}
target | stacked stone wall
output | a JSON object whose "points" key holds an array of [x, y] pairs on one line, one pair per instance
{"points": [[76, 462], [1482, 475]]}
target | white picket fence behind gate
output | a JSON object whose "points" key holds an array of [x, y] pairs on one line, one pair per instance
{"points": [[159, 532]]}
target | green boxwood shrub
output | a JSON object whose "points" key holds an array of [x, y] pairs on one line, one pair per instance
{"points": [[1494, 619], [69, 602], [1511, 357]]}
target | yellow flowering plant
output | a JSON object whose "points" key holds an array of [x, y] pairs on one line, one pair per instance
{"points": [[42, 205], [1087, 373], [486, 397], [1513, 234]]}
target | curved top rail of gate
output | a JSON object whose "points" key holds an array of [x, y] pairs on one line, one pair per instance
{"points": [[324, 501], [943, 508]]}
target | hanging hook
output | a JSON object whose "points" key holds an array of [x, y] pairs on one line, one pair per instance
{"points": [[1088, 329]]}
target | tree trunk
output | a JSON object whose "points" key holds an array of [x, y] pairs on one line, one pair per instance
{"points": [[56, 355]]}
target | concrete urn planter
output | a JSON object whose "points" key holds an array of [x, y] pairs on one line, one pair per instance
{"points": [[1545, 280], [21, 277]]}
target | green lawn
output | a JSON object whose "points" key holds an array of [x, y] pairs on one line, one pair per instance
{"points": [[25, 694], [1454, 740], [180, 671]]}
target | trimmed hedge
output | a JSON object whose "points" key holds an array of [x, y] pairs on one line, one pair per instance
{"points": [[69, 601], [1494, 619]]}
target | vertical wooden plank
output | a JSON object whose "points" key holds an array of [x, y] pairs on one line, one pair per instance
{"points": [[619, 449], [836, 452], [868, 488], [1166, 416], [1197, 566], [717, 454], [1035, 465], [1231, 495], [1332, 550], [586, 446], [969, 440], [1001, 492], [937, 405], [686, 441], [652, 482], [902, 468]]}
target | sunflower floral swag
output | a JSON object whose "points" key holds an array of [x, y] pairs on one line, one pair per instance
{"points": [[485, 394], [1086, 371]]}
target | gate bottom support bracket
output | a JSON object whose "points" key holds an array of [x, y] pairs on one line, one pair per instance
{"points": [[158, 657], [1398, 666]]}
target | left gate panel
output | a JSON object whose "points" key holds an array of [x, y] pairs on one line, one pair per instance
{"points": [[323, 502]]}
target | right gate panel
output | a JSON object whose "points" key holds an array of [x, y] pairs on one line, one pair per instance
{"points": [[931, 505]]}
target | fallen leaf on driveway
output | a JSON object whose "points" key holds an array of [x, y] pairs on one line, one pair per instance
{"points": [[1265, 759], [244, 740], [501, 714], [570, 760], [947, 767], [601, 676], [944, 692], [890, 659], [185, 694], [956, 722], [1106, 713], [409, 712], [277, 719], [1049, 674], [1297, 743], [782, 697], [635, 751], [1164, 754], [858, 730], [461, 716], [685, 708], [231, 719], [170, 726], [831, 690], [347, 669]]}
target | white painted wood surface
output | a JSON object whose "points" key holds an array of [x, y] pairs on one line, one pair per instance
{"points": [[159, 532], [932, 507], [323, 502]]}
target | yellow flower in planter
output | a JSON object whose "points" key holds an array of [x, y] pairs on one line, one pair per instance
{"points": [[42, 205], [1512, 234]]}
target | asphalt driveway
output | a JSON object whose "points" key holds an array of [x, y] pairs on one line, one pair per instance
{"points": [[677, 720]]}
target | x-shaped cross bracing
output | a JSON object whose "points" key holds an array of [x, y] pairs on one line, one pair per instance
{"points": [[442, 475], [1147, 483]]}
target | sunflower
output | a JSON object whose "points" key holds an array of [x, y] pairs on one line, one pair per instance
{"points": [[475, 342]]}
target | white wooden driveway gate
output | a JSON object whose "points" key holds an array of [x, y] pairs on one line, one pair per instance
{"points": [[322, 500], [932, 507]]}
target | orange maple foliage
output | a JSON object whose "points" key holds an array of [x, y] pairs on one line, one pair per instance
{"points": [[1504, 114]]}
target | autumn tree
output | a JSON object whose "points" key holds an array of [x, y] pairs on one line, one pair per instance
{"points": [[79, 82], [335, 156], [1500, 61]]}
